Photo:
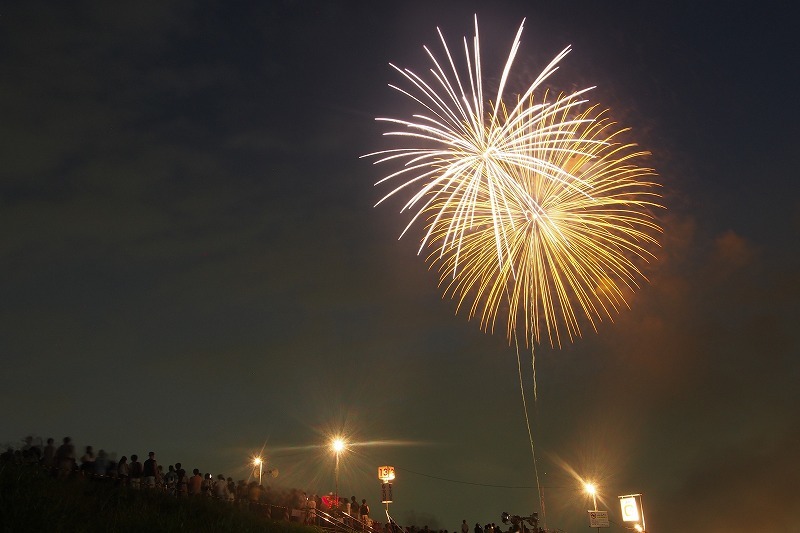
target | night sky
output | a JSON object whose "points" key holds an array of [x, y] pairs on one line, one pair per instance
{"points": [[191, 263]]}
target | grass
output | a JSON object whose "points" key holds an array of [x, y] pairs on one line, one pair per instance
{"points": [[31, 500]]}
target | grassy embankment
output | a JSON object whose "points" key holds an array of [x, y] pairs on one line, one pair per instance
{"points": [[32, 501]]}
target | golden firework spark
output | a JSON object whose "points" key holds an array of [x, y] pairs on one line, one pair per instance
{"points": [[534, 209], [556, 246]]}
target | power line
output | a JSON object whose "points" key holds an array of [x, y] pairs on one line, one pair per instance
{"points": [[473, 483]]}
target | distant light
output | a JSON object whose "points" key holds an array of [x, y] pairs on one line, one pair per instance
{"points": [[257, 461], [338, 445], [590, 488]]}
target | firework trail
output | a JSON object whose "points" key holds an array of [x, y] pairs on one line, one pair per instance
{"points": [[535, 210]]}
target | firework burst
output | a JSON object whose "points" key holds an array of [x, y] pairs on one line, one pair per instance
{"points": [[532, 206]]}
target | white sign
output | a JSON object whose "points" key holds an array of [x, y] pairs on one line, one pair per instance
{"points": [[630, 510], [598, 519]]}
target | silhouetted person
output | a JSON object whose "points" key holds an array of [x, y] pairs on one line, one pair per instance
{"points": [[123, 471], [208, 484], [100, 465], [221, 488], [65, 457], [312, 510], [49, 454], [363, 513], [171, 480], [135, 474], [182, 485], [87, 461], [150, 471], [195, 483], [31, 453]]}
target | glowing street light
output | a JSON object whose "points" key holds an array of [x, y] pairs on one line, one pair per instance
{"points": [[338, 445], [257, 462], [591, 488]]}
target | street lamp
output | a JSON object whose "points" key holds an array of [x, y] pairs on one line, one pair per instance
{"points": [[386, 475], [257, 462], [337, 445], [591, 488]]}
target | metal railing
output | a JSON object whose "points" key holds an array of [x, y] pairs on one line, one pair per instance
{"points": [[341, 523]]}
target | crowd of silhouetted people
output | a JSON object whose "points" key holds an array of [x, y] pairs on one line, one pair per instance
{"points": [[63, 462]]}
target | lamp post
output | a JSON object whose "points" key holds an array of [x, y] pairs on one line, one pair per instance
{"points": [[590, 488], [386, 475], [337, 445], [257, 462]]}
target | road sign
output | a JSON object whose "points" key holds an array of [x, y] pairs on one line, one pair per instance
{"points": [[598, 519]]}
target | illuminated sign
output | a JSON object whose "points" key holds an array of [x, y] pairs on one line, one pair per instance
{"points": [[630, 509], [386, 473]]}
